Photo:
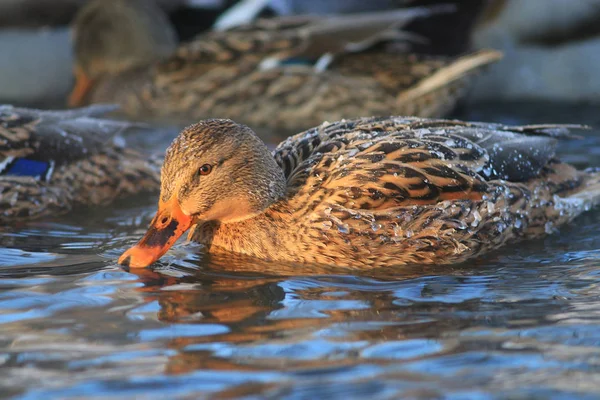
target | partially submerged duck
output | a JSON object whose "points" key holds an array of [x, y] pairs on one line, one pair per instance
{"points": [[364, 193], [51, 161], [285, 73]]}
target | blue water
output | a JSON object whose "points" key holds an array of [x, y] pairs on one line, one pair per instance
{"points": [[521, 323]]}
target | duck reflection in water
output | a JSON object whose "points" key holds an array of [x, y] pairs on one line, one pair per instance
{"points": [[270, 319]]}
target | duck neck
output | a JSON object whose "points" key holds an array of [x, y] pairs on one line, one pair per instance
{"points": [[262, 195], [264, 183], [258, 236]]}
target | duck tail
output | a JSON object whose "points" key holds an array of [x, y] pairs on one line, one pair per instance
{"points": [[571, 193], [451, 73], [438, 93], [588, 194], [571, 204]]}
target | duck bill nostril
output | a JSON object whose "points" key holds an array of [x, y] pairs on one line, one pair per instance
{"points": [[159, 237]]}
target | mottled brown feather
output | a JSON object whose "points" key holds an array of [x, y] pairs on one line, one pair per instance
{"points": [[223, 74], [376, 192], [86, 166]]}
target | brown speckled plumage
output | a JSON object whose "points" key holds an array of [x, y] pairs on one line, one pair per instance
{"points": [[375, 192], [83, 165], [223, 74]]}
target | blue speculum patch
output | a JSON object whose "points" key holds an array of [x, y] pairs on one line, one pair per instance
{"points": [[297, 61], [26, 167]]}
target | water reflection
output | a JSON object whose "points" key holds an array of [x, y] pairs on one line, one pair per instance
{"points": [[207, 329], [332, 321]]}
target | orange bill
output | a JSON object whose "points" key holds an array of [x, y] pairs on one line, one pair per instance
{"points": [[166, 227], [83, 85]]}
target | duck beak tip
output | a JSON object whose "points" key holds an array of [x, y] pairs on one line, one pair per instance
{"points": [[166, 227]]}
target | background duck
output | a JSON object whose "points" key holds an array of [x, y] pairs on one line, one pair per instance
{"points": [[365, 193], [54, 160], [447, 33], [284, 73]]}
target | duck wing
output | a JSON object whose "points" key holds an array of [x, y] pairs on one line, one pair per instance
{"points": [[307, 37], [34, 142], [378, 163], [51, 160]]}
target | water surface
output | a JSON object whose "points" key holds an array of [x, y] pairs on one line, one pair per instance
{"points": [[523, 322]]}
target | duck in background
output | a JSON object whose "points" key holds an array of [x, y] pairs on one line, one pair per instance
{"points": [[364, 193], [283, 74], [36, 34], [51, 161], [446, 33]]}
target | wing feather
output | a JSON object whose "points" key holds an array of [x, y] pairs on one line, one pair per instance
{"points": [[57, 136], [381, 163], [299, 36]]}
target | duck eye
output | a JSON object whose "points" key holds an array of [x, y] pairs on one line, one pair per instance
{"points": [[205, 169]]}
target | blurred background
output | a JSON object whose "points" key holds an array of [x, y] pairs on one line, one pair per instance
{"points": [[551, 47]]}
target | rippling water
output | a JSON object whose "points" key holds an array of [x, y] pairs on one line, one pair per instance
{"points": [[523, 322]]}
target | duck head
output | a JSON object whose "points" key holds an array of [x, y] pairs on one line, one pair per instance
{"points": [[216, 170], [111, 36]]}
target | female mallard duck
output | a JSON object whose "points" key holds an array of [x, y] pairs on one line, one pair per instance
{"points": [[53, 160], [265, 74], [364, 193]]}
